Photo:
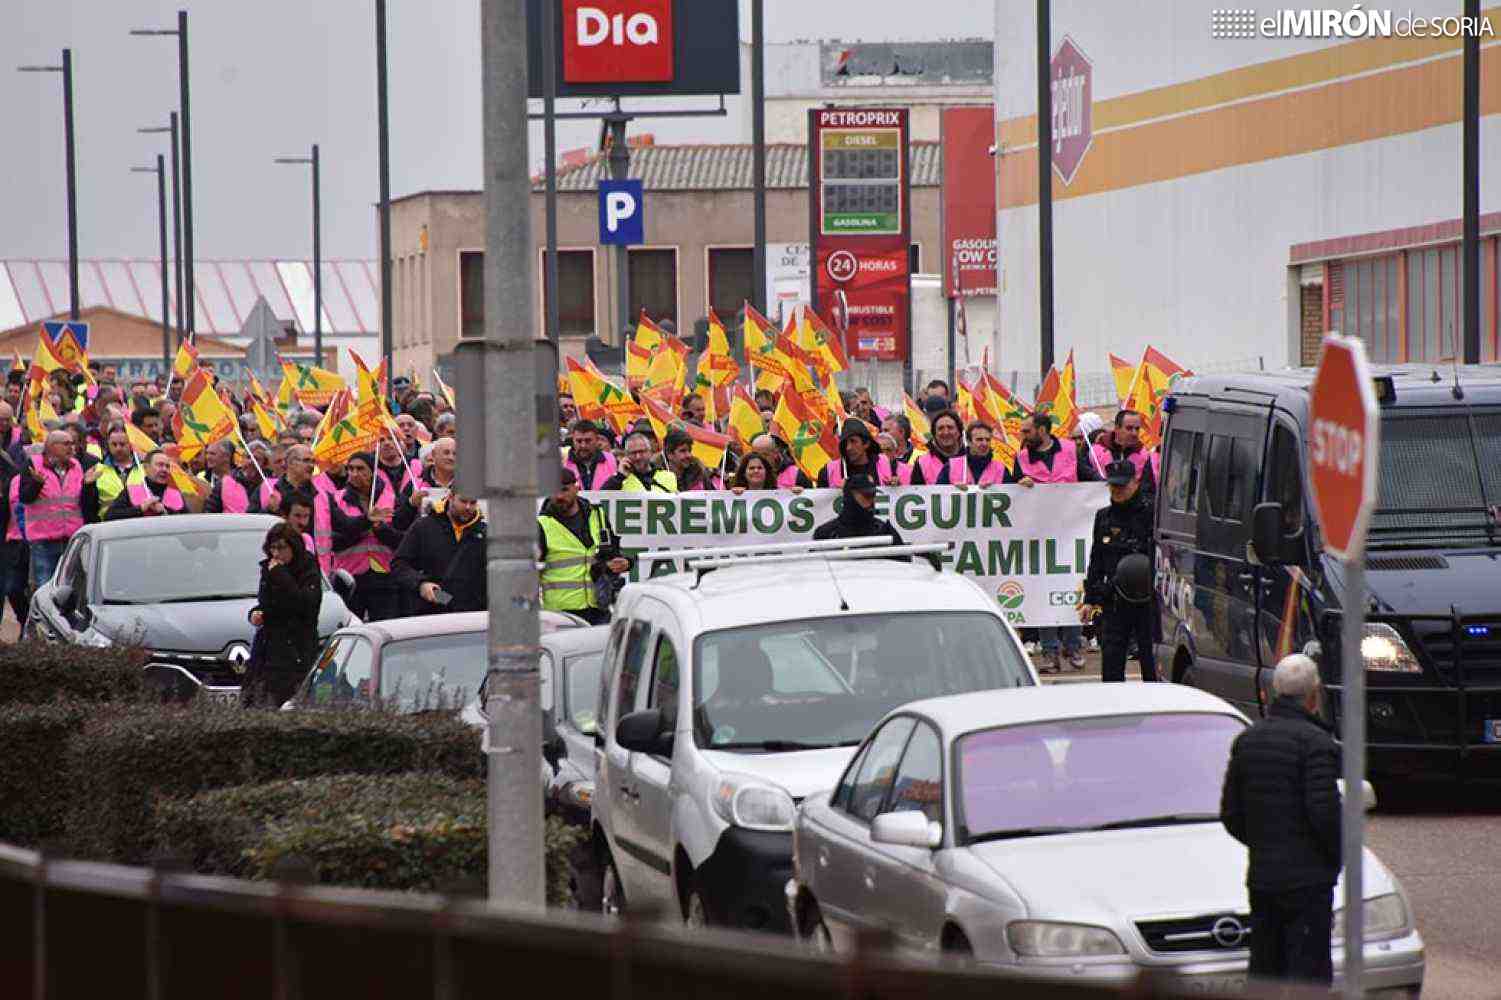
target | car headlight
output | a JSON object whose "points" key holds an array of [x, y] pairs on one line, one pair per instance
{"points": [[1049, 939], [1383, 649], [94, 637], [745, 801], [577, 793], [1385, 917]]}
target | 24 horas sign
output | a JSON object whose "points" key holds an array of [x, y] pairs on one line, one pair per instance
{"points": [[1028, 549]]}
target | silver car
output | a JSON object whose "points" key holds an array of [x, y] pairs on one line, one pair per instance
{"points": [[1068, 833]]}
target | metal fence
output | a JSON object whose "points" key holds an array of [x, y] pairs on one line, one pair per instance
{"points": [[77, 929]]}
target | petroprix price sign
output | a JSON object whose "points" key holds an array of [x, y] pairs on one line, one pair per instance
{"points": [[1344, 446], [859, 225]]}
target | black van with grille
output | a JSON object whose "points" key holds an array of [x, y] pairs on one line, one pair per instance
{"points": [[1243, 579]]}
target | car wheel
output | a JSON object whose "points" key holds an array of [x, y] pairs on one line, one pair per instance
{"points": [[611, 895], [587, 882]]}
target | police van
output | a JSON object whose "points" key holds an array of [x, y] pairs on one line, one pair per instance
{"points": [[1243, 579]]}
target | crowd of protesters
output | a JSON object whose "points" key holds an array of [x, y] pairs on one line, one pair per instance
{"points": [[389, 516]]}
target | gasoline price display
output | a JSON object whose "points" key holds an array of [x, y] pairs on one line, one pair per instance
{"points": [[861, 164], [861, 181]]}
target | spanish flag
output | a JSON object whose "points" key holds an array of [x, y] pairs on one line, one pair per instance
{"points": [[745, 420], [762, 352], [186, 361]]}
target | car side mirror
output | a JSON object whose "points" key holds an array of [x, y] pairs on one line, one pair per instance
{"points": [[554, 750], [644, 732], [62, 597], [908, 828], [343, 583], [1266, 533], [1367, 794]]}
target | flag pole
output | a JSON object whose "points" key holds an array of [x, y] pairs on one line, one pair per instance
{"points": [[400, 451], [248, 453]]}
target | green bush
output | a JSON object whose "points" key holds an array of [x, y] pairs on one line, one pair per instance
{"points": [[127, 759], [33, 750], [33, 672], [419, 831]]}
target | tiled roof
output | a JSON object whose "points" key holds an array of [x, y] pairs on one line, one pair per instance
{"points": [[226, 290], [727, 167]]}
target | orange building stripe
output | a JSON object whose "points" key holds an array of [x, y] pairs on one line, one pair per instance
{"points": [[1402, 100]]}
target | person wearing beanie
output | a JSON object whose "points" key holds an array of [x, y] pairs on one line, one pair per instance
{"points": [[858, 452]]}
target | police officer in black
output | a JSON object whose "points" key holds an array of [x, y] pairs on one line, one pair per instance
{"points": [[1118, 586]]}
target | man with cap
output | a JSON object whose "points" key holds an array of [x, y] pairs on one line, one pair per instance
{"points": [[858, 453], [857, 515], [580, 556], [1118, 586]]}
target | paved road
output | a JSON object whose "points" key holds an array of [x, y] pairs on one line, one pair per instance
{"points": [[1445, 846]]}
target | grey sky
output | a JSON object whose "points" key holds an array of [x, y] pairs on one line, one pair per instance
{"points": [[272, 77]]}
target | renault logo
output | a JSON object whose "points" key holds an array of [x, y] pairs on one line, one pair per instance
{"points": [[1229, 932], [239, 657]]}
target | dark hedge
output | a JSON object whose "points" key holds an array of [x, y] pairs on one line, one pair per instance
{"points": [[34, 672], [127, 759], [419, 831], [33, 785]]}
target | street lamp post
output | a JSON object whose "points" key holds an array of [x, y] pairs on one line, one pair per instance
{"points": [[161, 223], [317, 252], [66, 69], [383, 141], [171, 129], [185, 258]]}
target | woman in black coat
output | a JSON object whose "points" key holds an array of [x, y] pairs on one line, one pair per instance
{"points": [[286, 613]]}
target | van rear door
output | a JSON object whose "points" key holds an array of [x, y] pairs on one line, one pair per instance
{"points": [[1225, 582]]}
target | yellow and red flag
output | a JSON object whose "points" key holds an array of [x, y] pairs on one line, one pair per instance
{"points": [[921, 428], [34, 425], [309, 384], [745, 420], [809, 434], [822, 344], [762, 352], [18, 365], [68, 352], [584, 389], [186, 361], [639, 352], [341, 433], [202, 418], [1154, 380], [1124, 373], [620, 409], [140, 441], [717, 370], [1056, 397], [964, 402], [185, 481]]}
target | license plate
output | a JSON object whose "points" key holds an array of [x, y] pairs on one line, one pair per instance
{"points": [[1492, 731], [1212, 985]]}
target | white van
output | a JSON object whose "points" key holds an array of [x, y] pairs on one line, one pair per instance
{"points": [[732, 691]]}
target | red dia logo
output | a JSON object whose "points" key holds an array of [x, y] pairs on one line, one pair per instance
{"points": [[617, 41]]}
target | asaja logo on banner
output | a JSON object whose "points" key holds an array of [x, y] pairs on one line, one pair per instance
{"points": [[617, 42], [1011, 595]]}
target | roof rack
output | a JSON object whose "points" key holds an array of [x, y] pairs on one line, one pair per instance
{"points": [[759, 553], [846, 555]]}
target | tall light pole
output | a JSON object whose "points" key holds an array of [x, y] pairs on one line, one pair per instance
{"points": [[1045, 184], [66, 69], [383, 141], [161, 223], [317, 254], [171, 129], [185, 126]]}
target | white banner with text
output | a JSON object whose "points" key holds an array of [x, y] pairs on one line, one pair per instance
{"points": [[1028, 548]]}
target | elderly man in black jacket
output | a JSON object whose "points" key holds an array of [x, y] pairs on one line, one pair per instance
{"points": [[1280, 800]]}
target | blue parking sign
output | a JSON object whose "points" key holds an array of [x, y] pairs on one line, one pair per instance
{"points": [[621, 215]]}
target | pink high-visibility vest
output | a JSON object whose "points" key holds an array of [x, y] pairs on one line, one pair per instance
{"points": [[1065, 465], [959, 472], [603, 470], [58, 511], [414, 473], [232, 496], [139, 494], [931, 465], [1101, 457], [323, 530], [904, 472], [358, 557], [13, 529], [787, 478], [836, 471]]}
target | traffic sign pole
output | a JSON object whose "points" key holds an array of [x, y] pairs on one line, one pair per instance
{"points": [[1343, 458]]}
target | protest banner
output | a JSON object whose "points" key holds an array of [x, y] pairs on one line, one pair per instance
{"points": [[1027, 548]]}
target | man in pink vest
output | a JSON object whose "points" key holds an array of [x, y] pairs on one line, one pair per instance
{"points": [[945, 443], [229, 494], [52, 495], [153, 498], [364, 539], [1044, 458], [588, 457], [1127, 445], [978, 466], [858, 452]]}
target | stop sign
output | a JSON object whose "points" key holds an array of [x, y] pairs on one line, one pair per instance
{"points": [[1344, 435]]}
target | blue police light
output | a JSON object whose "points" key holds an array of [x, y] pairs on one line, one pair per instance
{"points": [[1169, 404], [1478, 631]]}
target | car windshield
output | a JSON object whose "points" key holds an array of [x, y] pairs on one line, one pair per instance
{"points": [[583, 689], [1083, 774], [432, 672], [825, 682], [1453, 501], [189, 566]]}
